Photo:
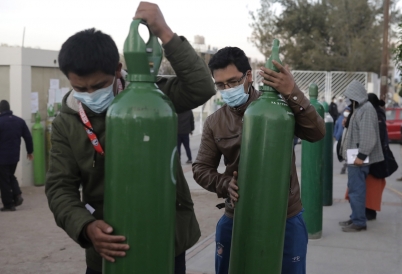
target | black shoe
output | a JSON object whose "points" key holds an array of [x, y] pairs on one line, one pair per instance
{"points": [[189, 162], [353, 228], [346, 223], [18, 200], [11, 208], [370, 214], [343, 171]]}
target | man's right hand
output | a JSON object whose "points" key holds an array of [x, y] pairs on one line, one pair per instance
{"points": [[233, 189], [151, 13], [108, 246]]}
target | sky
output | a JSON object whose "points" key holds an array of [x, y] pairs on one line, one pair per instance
{"points": [[48, 23]]}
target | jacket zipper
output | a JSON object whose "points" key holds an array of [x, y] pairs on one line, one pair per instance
{"points": [[227, 138]]}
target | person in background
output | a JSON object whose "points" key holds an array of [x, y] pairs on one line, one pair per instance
{"points": [[363, 135], [342, 104], [185, 127], [375, 186], [333, 109], [12, 128], [338, 133]]}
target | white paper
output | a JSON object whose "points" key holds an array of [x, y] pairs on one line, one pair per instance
{"points": [[58, 97], [352, 154], [54, 84], [52, 97], [34, 102]]}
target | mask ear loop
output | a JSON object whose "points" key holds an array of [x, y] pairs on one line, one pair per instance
{"points": [[249, 84]]}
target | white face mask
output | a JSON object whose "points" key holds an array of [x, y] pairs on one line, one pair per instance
{"points": [[346, 114], [99, 100]]}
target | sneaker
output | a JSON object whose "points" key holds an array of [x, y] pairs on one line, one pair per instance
{"points": [[346, 223], [353, 228], [399, 179], [189, 162], [18, 200], [11, 208]]}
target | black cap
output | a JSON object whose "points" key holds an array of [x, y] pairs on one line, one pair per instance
{"points": [[4, 106]]}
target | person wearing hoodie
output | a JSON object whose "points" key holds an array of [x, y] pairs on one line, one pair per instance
{"points": [[362, 134]]}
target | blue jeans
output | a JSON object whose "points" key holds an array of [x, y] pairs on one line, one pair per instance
{"points": [[357, 193], [294, 251]]}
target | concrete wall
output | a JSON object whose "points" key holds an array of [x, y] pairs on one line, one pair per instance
{"points": [[28, 69], [41, 82], [5, 83]]}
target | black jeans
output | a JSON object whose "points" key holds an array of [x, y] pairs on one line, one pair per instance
{"points": [[179, 265], [185, 140], [8, 185]]}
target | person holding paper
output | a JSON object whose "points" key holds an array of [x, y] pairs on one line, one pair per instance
{"points": [[362, 134]]}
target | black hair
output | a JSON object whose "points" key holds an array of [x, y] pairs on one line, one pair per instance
{"points": [[89, 51], [4, 106], [373, 99], [227, 56]]}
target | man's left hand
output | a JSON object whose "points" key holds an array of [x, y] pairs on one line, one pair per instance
{"points": [[358, 162], [151, 13], [282, 81]]}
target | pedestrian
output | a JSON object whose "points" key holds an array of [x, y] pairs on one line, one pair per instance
{"points": [[185, 128], [338, 134], [333, 109], [375, 184], [362, 134], [222, 137], [90, 60], [12, 128], [342, 104]]}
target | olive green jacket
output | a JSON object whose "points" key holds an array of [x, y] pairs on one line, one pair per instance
{"points": [[72, 155]]}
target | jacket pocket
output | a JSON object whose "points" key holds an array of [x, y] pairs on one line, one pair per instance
{"points": [[219, 139]]}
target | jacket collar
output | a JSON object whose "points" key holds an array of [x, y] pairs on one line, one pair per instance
{"points": [[7, 112], [254, 94]]}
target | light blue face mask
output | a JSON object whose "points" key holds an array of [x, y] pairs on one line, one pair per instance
{"points": [[97, 101], [236, 96]]}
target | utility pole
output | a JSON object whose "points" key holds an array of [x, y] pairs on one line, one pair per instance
{"points": [[384, 63]]}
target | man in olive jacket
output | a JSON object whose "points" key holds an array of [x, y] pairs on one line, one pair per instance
{"points": [[90, 60]]}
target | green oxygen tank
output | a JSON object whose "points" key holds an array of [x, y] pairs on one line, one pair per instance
{"points": [[311, 176], [38, 139], [264, 176], [328, 165], [141, 161]]}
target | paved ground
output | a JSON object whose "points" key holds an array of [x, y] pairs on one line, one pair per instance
{"points": [[30, 242]]}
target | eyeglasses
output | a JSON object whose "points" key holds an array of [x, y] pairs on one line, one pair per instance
{"points": [[230, 84]]}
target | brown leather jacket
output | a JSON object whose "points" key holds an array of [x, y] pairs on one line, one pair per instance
{"points": [[222, 136]]}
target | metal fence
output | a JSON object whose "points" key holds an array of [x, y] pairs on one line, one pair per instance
{"points": [[330, 83]]}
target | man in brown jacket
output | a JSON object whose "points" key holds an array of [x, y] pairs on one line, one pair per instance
{"points": [[222, 136]]}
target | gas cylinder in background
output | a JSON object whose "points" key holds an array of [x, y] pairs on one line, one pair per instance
{"points": [[328, 165], [38, 139], [141, 161], [264, 176], [311, 176]]}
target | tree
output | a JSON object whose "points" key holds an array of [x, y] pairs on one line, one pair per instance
{"points": [[398, 57], [336, 35]]}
